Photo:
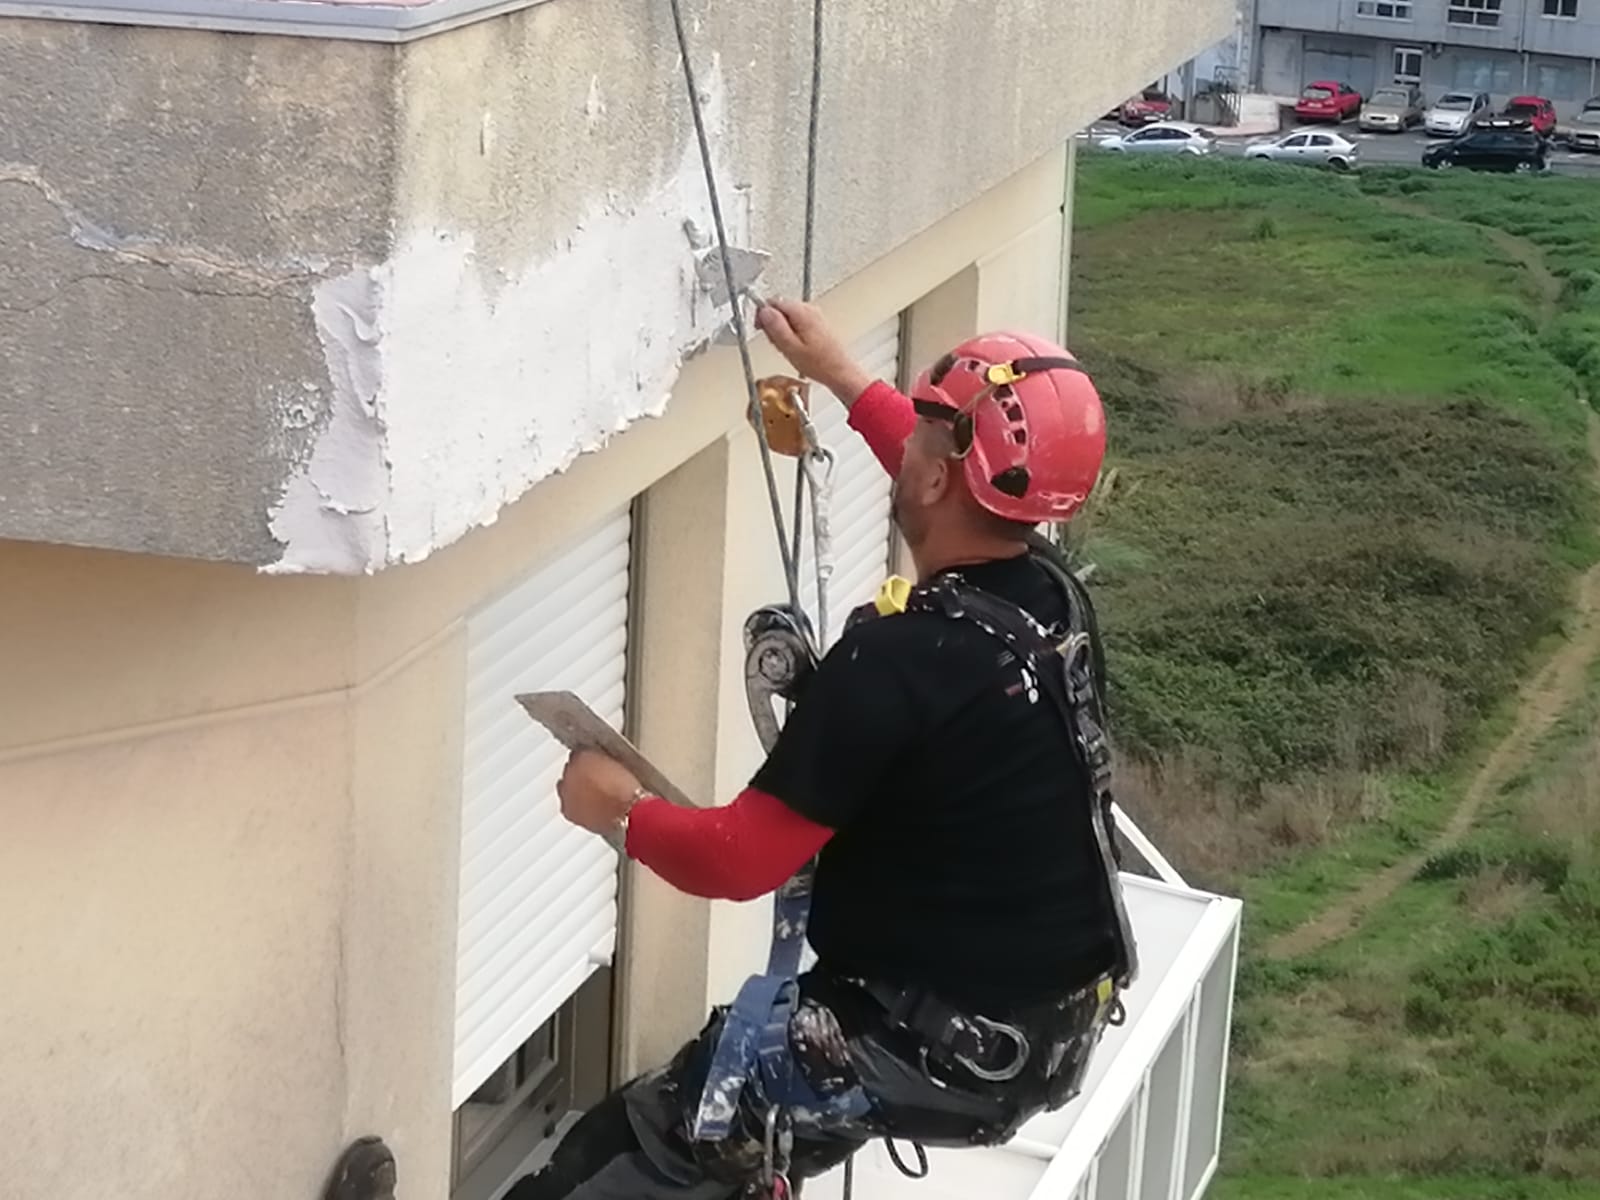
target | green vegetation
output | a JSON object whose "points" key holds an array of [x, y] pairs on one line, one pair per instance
{"points": [[1457, 1031], [1349, 494], [1351, 474], [1300, 1188]]}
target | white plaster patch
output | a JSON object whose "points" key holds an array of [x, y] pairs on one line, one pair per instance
{"points": [[330, 517], [594, 108], [457, 389]]}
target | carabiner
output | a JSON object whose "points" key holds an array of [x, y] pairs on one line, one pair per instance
{"points": [[1019, 1059], [777, 1149]]}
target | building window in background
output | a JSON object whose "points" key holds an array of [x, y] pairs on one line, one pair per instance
{"points": [[1484, 75], [1389, 10], [1566, 9], [1407, 64], [1558, 82], [1483, 13]]}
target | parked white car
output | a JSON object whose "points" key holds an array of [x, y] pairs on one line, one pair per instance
{"points": [[1307, 146], [1169, 137], [1454, 112]]}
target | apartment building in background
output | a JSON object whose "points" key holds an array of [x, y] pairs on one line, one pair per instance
{"points": [[354, 376], [1548, 48]]}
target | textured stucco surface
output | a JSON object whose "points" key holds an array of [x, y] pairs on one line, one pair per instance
{"points": [[165, 208], [489, 220], [230, 867]]}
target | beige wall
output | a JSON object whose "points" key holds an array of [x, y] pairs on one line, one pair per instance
{"points": [[231, 802]]}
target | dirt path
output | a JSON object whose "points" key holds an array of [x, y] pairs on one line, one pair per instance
{"points": [[1558, 683]]}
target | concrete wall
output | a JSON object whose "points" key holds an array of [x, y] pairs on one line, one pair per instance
{"points": [[1287, 66], [332, 305], [1523, 25], [232, 801]]}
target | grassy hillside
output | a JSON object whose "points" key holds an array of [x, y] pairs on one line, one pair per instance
{"points": [[1349, 498], [1456, 1033], [1350, 483]]}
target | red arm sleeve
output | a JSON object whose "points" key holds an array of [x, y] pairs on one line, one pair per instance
{"points": [[885, 418], [745, 850]]}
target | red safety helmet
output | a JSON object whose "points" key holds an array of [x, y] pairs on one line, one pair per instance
{"points": [[1028, 423]]}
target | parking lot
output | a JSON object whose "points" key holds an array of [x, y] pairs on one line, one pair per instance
{"points": [[1383, 149]]}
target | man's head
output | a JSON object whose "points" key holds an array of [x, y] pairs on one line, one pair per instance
{"points": [[1010, 433]]}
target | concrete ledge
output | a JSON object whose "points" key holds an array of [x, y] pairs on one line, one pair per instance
{"points": [[351, 20]]}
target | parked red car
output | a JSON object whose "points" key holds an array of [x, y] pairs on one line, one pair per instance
{"points": [[1146, 109], [1326, 100], [1536, 111]]}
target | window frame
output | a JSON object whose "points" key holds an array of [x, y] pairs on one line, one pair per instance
{"points": [[1474, 14], [1407, 52], [1399, 10], [1557, 15], [566, 1065]]}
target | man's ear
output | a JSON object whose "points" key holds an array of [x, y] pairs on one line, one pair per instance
{"points": [[941, 480]]}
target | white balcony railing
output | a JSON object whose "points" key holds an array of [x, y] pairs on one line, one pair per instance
{"points": [[1148, 1124]]}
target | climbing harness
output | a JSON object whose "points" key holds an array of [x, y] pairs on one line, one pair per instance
{"points": [[1063, 665]]}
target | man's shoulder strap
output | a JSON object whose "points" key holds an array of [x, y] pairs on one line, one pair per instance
{"points": [[1076, 592]]}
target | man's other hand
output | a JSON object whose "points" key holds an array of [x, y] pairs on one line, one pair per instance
{"points": [[596, 791], [802, 335]]}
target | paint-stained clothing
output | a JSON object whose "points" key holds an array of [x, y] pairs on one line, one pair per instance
{"points": [[962, 860], [736, 852], [633, 1145]]}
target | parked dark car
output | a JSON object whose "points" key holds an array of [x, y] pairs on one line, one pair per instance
{"points": [[1496, 145]]}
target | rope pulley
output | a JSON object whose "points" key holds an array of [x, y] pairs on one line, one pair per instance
{"points": [[785, 404]]}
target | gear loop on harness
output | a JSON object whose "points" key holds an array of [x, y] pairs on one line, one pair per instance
{"points": [[1021, 1051]]}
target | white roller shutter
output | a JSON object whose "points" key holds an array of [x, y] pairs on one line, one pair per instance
{"points": [[860, 522], [538, 897]]}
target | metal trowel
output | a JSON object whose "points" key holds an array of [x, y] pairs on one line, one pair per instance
{"points": [[578, 727]]}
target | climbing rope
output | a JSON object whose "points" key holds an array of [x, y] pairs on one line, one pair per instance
{"points": [[791, 568], [814, 470], [815, 465]]}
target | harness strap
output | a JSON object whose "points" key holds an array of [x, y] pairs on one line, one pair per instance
{"points": [[1064, 669]]}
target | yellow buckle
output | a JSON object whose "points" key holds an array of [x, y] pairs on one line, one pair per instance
{"points": [[893, 596], [1001, 374]]}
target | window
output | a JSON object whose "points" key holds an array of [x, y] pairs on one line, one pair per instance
{"points": [[1559, 82], [1483, 13], [1566, 9], [1485, 75], [1322, 139], [1389, 10], [1407, 64], [1296, 142], [561, 1068], [526, 1085]]}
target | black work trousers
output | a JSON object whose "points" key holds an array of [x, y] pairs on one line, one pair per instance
{"points": [[634, 1145]]}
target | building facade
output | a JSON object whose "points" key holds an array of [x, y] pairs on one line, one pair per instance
{"points": [[1549, 48], [357, 376]]}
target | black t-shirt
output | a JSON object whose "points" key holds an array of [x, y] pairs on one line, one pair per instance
{"points": [[963, 860]]}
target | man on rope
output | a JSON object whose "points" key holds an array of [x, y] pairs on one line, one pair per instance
{"points": [[947, 766]]}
